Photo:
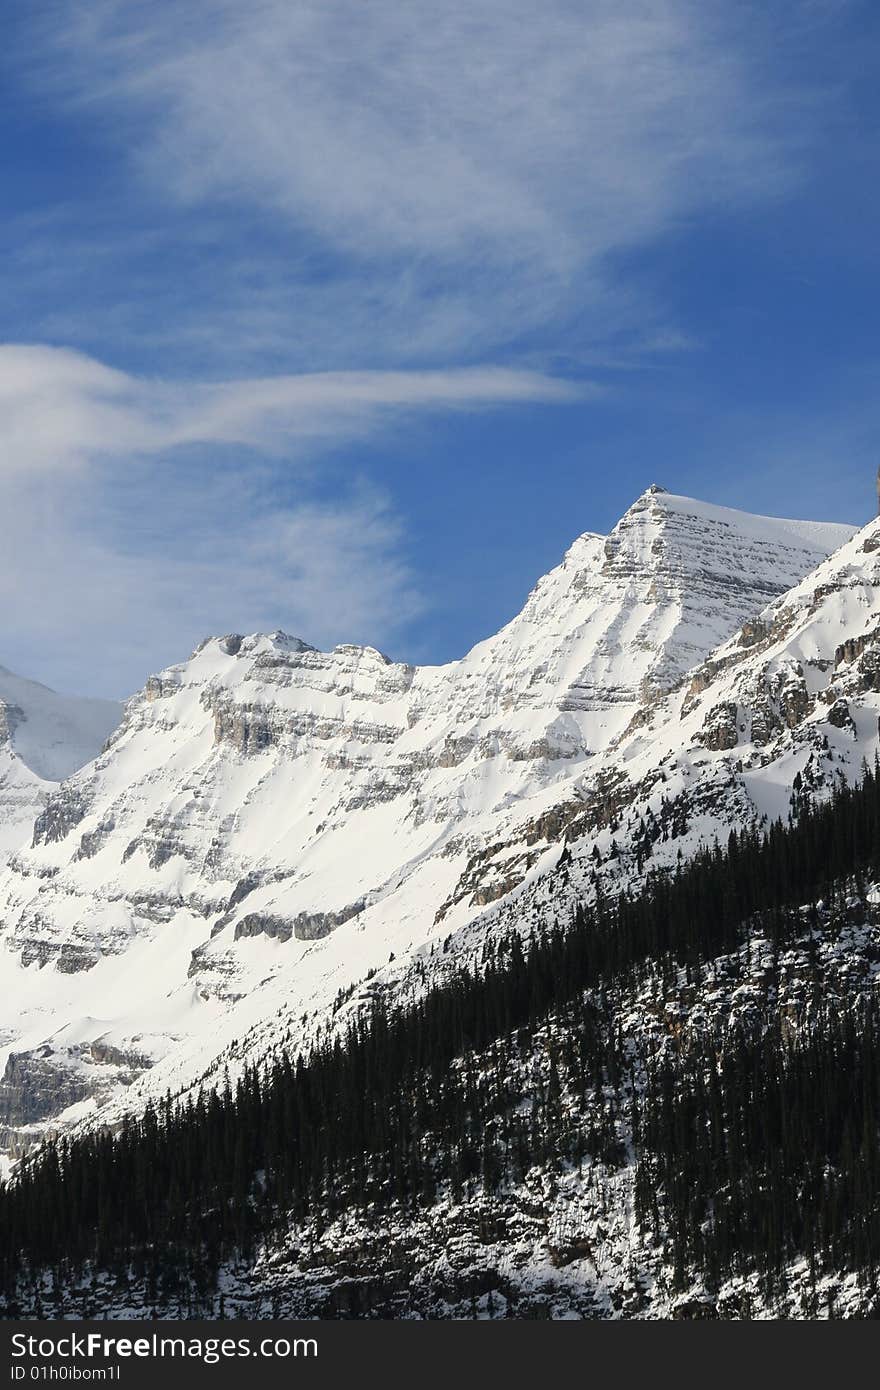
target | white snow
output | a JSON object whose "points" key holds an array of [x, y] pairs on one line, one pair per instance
{"points": [[343, 783], [57, 734], [44, 737]]}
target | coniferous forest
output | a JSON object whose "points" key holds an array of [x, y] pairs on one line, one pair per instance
{"points": [[754, 1143]]}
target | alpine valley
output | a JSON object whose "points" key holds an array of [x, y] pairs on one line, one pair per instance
{"points": [[278, 856]]}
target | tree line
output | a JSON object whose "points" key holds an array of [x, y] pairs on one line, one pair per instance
{"points": [[407, 1104]]}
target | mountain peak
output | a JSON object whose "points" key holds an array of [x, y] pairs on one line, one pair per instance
{"points": [[271, 821], [255, 643], [821, 538]]}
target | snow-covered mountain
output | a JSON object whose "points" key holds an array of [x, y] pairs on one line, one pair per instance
{"points": [[784, 709], [44, 737], [270, 823]]}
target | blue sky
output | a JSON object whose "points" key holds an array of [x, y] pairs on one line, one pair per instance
{"points": [[347, 318]]}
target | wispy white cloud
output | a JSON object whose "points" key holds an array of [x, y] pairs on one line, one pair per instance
{"points": [[60, 406], [565, 130], [315, 187], [461, 174], [95, 612], [136, 515]]}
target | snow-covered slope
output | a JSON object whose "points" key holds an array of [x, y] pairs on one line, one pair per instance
{"points": [[44, 737], [270, 823], [784, 709]]}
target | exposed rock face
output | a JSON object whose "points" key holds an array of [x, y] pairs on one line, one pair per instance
{"points": [[305, 926], [261, 924], [839, 716], [62, 812], [271, 823], [39, 1085], [720, 730], [33, 1088]]}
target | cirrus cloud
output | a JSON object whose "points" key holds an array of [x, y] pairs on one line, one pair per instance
{"points": [[445, 179], [137, 514], [60, 406]]}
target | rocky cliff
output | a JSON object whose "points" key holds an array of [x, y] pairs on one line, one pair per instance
{"points": [[273, 830]]}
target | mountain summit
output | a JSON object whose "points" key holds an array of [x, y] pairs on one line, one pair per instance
{"points": [[270, 822]]}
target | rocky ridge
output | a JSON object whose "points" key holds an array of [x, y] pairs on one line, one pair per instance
{"points": [[270, 823]]}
